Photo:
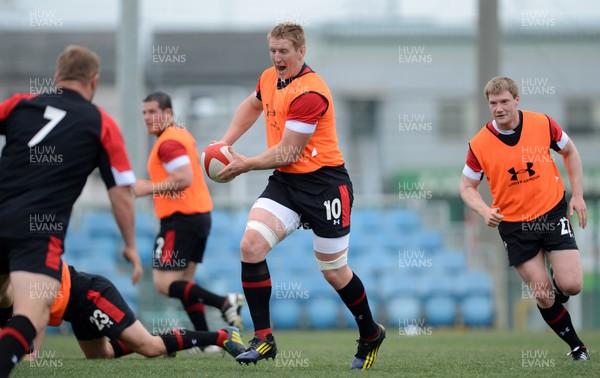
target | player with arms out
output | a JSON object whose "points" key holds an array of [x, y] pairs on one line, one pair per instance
{"points": [[183, 204], [53, 142], [529, 206], [310, 186]]}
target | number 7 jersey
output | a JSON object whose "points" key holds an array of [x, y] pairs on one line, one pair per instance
{"points": [[53, 142]]}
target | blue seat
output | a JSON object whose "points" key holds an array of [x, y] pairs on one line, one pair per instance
{"points": [[473, 283], [286, 314], [435, 285], [398, 285], [450, 262], [323, 313], [440, 311], [146, 226], [430, 240], [368, 221], [477, 311], [402, 221], [146, 246], [99, 224], [402, 311], [77, 244]]}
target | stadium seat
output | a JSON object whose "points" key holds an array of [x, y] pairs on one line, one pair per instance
{"points": [[77, 244], [477, 311], [99, 224], [440, 311], [323, 313], [146, 226], [402, 221], [368, 221], [430, 240], [473, 283], [402, 310], [396, 285], [286, 314], [450, 262], [434, 284], [146, 246]]}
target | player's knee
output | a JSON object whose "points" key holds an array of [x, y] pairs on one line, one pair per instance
{"points": [[253, 247], [571, 287], [162, 287]]}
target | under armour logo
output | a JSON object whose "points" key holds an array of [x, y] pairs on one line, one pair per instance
{"points": [[514, 172], [565, 331], [336, 221], [270, 113]]}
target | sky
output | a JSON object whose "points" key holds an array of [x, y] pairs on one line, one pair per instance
{"points": [[253, 14]]}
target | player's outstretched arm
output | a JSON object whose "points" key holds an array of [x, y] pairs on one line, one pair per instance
{"points": [[245, 116], [574, 169], [122, 201]]}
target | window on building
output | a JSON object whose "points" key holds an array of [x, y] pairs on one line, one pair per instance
{"points": [[452, 118], [363, 117], [580, 117]]}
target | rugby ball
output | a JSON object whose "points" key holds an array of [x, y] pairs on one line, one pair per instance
{"points": [[215, 157]]}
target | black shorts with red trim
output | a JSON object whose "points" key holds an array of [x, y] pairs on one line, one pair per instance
{"points": [[96, 308], [549, 232], [40, 255], [323, 206], [181, 240]]}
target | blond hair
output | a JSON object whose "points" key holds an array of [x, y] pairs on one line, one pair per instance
{"points": [[77, 63], [290, 31], [500, 84]]}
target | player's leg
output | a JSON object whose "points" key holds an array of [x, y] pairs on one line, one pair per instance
{"points": [[34, 294], [136, 339], [172, 283], [268, 223], [352, 292], [328, 214], [534, 273], [566, 267]]}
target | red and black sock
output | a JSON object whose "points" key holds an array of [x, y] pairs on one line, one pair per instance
{"points": [[15, 341], [119, 348], [190, 296], [180, 339], [559, 320], [354, 296], [256, 281], [5, 315]]}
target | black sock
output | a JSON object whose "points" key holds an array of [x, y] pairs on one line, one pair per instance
{"points": [[354, 296], [180, 339], [189, 295], [15, 341], [5, 315], [119, 348], [559, 320], [256, 281]]}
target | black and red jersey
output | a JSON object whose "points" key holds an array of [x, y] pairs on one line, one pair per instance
{"points": [[53, 142]]}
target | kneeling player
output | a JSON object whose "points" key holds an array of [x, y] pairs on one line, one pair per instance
{"points": [[105, 326]]}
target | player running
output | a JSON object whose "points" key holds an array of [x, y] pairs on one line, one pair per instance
{"points": [[310, 186], [529, 206], [183, 204]]}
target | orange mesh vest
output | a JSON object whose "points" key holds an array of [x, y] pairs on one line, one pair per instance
{"points": [[322, 148], [524, 180], [62, 297], [195, 198]]}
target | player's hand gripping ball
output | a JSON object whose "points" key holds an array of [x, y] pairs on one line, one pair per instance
{"points": [[215, 157]]}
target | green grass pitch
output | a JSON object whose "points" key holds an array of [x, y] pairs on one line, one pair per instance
{"points": [[437, 353]]}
